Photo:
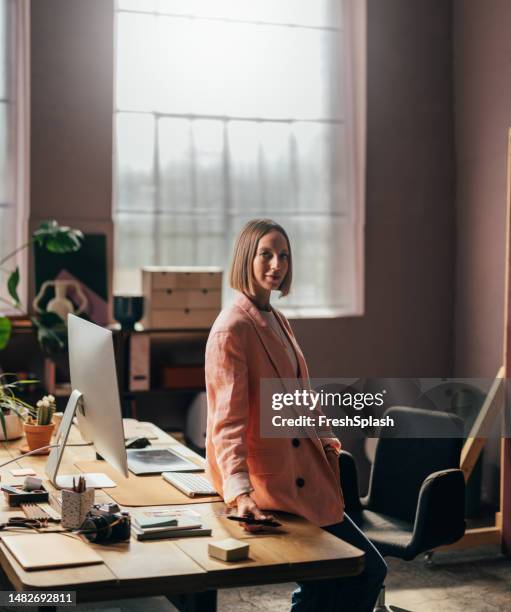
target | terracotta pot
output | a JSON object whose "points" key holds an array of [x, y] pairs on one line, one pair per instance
{"points": [[13, 427], [38, 435]]}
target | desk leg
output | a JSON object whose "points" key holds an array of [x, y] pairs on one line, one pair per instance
{"points": [[195, 602]]}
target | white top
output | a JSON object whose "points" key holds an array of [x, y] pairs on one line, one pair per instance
{"points": [[270, 318]]}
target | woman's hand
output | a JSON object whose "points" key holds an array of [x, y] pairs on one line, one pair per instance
{"points": [[247, 507]]}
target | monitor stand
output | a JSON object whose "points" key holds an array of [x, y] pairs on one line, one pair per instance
{"points": [[92, 480]]}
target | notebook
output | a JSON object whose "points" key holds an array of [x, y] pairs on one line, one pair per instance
{"points": [[158, 460], [160, 534], [166, 519], [32, 550]]}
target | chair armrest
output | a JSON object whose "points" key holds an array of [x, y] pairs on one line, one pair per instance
{"points": [[349, 483], [440, 516]]}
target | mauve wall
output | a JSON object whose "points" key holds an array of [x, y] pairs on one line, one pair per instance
{"points": [[482, 60], [407, 328], [482, 56], [71, 114]]}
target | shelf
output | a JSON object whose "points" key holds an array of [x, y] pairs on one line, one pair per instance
{"points": [[160, 330], [162, 392]]}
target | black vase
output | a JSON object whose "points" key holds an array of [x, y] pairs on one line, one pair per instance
{"points": [[128, 309]]}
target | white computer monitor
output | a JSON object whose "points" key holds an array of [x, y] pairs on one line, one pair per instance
{"points": [[94, 401]]}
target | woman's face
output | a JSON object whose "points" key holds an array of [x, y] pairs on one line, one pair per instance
{"points": [[271, 262]]}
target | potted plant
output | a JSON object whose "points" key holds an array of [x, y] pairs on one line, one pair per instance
{"points": [[51, 330], [39, 424], [13, 410]]}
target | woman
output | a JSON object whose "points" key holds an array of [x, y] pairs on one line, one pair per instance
{"points": [[251, 341]]}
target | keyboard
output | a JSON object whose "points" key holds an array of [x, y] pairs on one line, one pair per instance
{"points": [[190, 484]]}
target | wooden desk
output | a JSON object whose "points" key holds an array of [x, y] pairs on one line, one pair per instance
{"points": [[181, 568]]}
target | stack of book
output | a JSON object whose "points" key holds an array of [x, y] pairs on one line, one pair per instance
{"points": [[158, 523]]}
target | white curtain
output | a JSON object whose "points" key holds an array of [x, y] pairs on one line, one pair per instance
{"points": [[14, 122], [248, 109]]}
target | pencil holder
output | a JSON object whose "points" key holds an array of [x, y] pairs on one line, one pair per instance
{"points": [[75, 507]]}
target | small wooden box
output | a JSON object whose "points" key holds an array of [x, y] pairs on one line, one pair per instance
{"points": [[179, 297], [229, 550]]}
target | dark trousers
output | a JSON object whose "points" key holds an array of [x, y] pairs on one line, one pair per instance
{"points": [[351, 594]]}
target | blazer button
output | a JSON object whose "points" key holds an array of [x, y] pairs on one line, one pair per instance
{"points": [[300, 482], [296, 442]]}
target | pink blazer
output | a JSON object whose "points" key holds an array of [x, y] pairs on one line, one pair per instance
{"points": [[288, 475]]}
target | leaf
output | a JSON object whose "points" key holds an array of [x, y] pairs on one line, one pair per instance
{"points": [[58, 238], [12, 285], [16, 383], [2, 421], [5, 331], [52, 338]]}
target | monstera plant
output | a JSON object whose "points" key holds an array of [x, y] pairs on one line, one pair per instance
{"points": [[54, 238]]}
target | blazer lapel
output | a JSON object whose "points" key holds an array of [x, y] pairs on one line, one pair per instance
{"points": [[271, 344], [303, 375], [277, 355]]}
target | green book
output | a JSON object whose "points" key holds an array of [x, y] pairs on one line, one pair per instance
{"points": [[145, 519]]}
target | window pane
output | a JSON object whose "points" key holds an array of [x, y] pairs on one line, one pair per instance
{"points": [[137, 80], [4, 6], [191, 240], [134, 239], [208, 153], [279, 72], [276, 168], [135, 160], [175, 164], [243, 120], [147, 6], [321, 177], [192, 165], [322, 260], [244, 166], [303, 12], [7, 245], [5, 196]]}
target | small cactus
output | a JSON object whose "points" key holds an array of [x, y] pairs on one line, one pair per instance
{"points": [[45, 408]]}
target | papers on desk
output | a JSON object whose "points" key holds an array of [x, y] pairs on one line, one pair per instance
{"points": [[156, 524]]}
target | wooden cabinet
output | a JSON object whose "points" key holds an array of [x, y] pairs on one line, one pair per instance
{"points": [[177, 297]]}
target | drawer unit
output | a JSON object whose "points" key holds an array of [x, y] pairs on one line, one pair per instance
{"points": [[179, 297], [184, 317], [158, 277], [186, 298]]}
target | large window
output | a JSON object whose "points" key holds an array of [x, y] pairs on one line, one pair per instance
{"points": [[13, 138], [228, 110]]}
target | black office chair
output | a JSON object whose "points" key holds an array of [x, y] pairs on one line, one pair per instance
{"points": [[416, 497]]}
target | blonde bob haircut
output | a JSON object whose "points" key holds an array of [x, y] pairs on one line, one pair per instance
{"points": [[241, 275]]}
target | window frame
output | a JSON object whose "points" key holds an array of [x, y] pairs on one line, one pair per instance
{"points": [[354, 51]]}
